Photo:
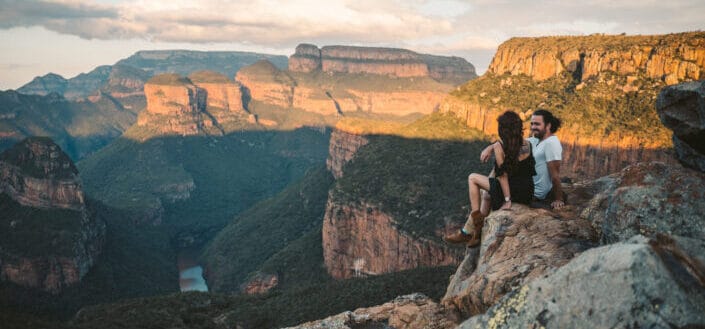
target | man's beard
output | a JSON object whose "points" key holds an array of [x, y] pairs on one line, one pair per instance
{"points": [[538, 133]]}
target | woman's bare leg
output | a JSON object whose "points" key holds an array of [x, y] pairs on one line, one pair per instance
{"points": [[477, 182], [485, 203]]}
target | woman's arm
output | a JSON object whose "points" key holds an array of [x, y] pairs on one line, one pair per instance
{"points": [[504, 178], [487, 152]]}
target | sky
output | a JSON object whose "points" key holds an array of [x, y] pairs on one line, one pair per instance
{"points": [[69, 37]]}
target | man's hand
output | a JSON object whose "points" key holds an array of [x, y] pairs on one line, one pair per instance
{"points": [[558, 204], [486, 153]]}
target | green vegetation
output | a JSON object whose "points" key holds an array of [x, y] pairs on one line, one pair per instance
{"points": [[425, 174], [22, 156], [79, 127], [595, 109], [209, 77], [273, 310], [169, 79], [267, 228], [339, 84], [201, 182], [35, 232], [136, 261], [607, 42]]}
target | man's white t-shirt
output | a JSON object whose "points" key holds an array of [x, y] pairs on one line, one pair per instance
{"points": [[549, 149]]}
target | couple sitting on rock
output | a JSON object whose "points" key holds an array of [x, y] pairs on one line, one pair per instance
{"points": [[525, 171]]}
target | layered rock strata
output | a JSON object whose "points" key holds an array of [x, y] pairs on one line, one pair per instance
{"points": [[43, 186], [670, 58], [414, 311], [361, 240], [517, 246], [383, 61], [223, 96], [175, 106], [681, 108], [260, 283]]}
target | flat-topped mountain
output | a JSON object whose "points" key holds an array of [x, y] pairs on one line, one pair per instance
{"points": [[384, 61]]}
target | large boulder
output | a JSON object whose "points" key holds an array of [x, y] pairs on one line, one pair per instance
{"points": [[517, 246], [647, 198], [682, 109], [633, 284], [414, 311]]}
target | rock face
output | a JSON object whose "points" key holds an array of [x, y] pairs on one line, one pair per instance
{"points": [[414, 311], [632, 284], [49, 240], [37, 173], [266, 84], [670, 58], [382, 61], [223, 96], [682, 109], [517, 246], [583, 157], [342, 148], [260, 283], [648, 198], [360, 240], [175, 106]]}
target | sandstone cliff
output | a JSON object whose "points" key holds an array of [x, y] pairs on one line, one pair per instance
{"points": [[49, 240], [342, 148], [361, 240], [175, 106], [382, 61], [670, 58], [603, 88]]}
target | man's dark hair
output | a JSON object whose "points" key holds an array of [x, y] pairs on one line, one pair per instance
{"points": [[549, 118]]}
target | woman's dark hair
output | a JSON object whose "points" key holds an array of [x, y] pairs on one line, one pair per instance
{"points": [[511, 132], [549, 118]]}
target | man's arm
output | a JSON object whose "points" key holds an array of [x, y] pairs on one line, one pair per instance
{"points": [[487, 152], [554, 170]]}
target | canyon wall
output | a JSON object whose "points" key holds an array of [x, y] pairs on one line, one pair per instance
{"points": [[382, 61], [361, 240], [671, 58], [342, 148]]}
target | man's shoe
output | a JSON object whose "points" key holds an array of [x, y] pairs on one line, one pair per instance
{"points": [[458, 237]]}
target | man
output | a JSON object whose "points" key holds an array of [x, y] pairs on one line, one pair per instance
{"points": [[548, 154]]}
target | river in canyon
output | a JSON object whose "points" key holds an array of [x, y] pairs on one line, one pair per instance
{"points": [[190, 272]]}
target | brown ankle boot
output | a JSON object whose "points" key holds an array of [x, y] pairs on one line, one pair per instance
{"points": [[478, 220], [458, 237]]}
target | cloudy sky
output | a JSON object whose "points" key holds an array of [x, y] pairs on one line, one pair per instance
{"points": [[69, 37]]}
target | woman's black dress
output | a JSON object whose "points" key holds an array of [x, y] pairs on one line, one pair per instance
{"points": [[521, 182]]}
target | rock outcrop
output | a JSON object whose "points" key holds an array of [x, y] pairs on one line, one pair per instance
{"points": [[361, 240], [49, 241], [682, 109], [648, 198], [175, 106], [671, 58], [321, 94], [383, 61], [37, 173], [223, 96], [342, 148], [517, 246], [632, 284], [414, 311], [260, 283], [45, 85]]}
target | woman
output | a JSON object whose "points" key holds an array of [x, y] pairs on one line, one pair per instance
{"points": [[510, 180]]}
